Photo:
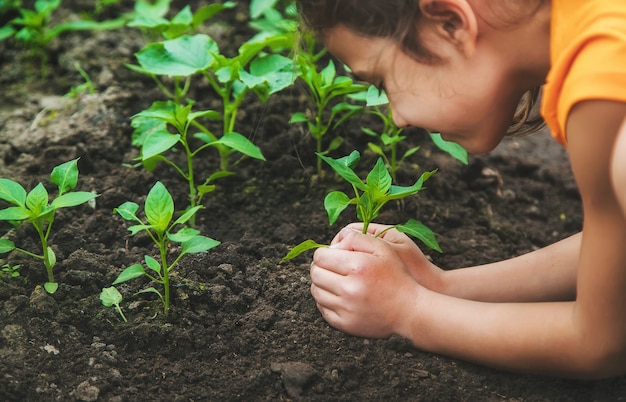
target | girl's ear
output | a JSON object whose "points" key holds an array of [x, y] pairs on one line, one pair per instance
{"points": [[454, 20]]}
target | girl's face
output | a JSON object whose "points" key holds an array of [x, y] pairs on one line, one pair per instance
{"points": [[464, 97]]}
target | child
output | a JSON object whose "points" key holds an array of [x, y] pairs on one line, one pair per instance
{"points": [[460, 67]]}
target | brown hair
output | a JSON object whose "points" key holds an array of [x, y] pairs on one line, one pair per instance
{"points": [[398, 19]]}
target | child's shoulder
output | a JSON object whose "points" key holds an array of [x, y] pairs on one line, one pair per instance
{"points": [[588, 55]]}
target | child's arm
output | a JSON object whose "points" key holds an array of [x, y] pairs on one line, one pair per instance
{"points": [[547, 274], [363, 285], [584, 338]]}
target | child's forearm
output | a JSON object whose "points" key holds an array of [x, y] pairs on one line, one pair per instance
{"points": [[542, 338], [548, 274]]}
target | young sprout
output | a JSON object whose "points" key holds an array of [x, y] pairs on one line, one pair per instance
{"points": [[35, 207], [164, 231], [370, 195], [112, 297], [330, 105], [33, 27]]}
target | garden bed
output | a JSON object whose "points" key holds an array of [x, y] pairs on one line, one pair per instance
{"points": [[242, 327]]}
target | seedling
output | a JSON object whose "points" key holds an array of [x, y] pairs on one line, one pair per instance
{"points": [[156, 122], [231, 78], [149, 17], [8, 271], [272, 17], [112, 297], [35, 207], [33, 28], [164, 232], [369, 198], [85, 87], [326, 90]]}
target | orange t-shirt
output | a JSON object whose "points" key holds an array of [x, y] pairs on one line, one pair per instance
{"points": [[588, 58]]}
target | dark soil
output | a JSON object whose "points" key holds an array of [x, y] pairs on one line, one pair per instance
{"points": [[242, 327]]}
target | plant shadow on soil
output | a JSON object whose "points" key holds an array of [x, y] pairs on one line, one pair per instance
{"points": [[242, 327]]}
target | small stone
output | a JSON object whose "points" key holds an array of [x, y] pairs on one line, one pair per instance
{"points": [[295, 376], [86, 392]]}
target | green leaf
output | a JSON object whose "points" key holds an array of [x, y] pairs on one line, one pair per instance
{"points": [[65, 176], [183, 235], [152, 9], [83, 25], [134, 229], [258, 7], [6, 245], [12, 192], [151, 290], [298, 117], [128, 211], [6, 32], [51, 287], [397, 192], [343, 167], [208, 11], [159, 207], [378, 181], [14, 214], [452, 148], [421, 232], [198, 244], [132, 272], [375, 97], [301, 248], [178, 57], [72, 199], [110, 296], [187, 215], [241, 144], [144, 126], [158, 142], [334, 203], [37, 199], [162, 110], [52, 258], [152, 263]]}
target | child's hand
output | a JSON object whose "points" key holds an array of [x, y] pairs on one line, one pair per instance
{"points": [[362, 285], [421, 269]]}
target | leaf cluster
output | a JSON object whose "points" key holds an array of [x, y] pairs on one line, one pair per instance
{"points": [[36, 208], [370, 196], [150, 17], [165, 231], [167, 124], [330, 105], [34, 29]]}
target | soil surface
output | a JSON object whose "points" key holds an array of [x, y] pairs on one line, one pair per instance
{"points": [[242, 327]]}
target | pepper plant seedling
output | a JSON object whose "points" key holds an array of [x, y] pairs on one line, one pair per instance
{"points": [[157, 121], [8, 271], [112, 297], [370, 195], [251, 70], [326, 90], [35, 207], [149, 17], [164, 232], [34, 30]]}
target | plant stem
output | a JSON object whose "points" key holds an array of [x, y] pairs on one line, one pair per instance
{"points": [[43, 237], [166, 274]]}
